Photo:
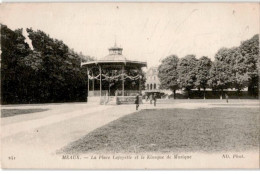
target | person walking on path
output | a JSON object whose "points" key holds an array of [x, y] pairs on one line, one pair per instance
{"points": [[226, 97], [151, 98], [154, 99], [137, 101]]}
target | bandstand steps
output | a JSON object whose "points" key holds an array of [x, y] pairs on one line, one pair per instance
{"points": [[93, 99], [112, 101]]}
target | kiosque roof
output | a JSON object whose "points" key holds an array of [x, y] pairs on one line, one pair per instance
{"points": [[115, 57]]}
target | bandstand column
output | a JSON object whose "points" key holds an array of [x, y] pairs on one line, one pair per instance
{"points": [[88, 79], [93, 83], [100, 84], [140, 86], [123, 81]]}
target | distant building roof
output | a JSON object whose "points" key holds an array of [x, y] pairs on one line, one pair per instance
{"points": [[152, 71]]}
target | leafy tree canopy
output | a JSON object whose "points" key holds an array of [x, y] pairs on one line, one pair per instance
{"points": [[202, 72], [187, 72], [168, 73]]}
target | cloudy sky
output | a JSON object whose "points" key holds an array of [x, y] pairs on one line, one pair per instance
{"points": [[146, 31]]}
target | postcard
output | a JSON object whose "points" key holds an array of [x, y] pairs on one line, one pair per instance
{"points": [[130, 85]]}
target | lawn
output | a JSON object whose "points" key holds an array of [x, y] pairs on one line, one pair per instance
{"points": [[14, 112], [174, 130]]}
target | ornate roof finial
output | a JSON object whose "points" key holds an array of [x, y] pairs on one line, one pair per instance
{"points": [[115, 42]]}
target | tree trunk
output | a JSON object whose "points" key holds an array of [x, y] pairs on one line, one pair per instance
{"points": [[221, 94], [204, 93], [174, 94], [238, 93]]}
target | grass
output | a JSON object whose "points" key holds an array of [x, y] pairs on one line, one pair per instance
{"points": [[14, 112], [213, 101], [174, 130]]}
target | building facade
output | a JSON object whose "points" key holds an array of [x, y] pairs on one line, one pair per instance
{"points": [[152, 83]]}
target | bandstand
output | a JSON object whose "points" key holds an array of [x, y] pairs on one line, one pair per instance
{"points": [[114, 79]]}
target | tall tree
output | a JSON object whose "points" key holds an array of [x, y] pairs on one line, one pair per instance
{"points": [[50, 72], [168, 74], [239, 69], [221, 76], [250, 52], [187, 72], [61, 69], [202, 73], [14, 50]]}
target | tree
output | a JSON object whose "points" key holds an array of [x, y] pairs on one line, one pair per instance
{"points": [[14, 50], [187, 72], [51, 72], [168, 74], [239, 69], [221, 76], [85, 58], [61, 69], [202, 73], [250, 52]]}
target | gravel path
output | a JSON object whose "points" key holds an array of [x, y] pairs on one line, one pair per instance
{"points": [[53, 131], [39, 135]]}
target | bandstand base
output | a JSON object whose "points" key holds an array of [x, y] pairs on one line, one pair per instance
{"points": [[113, 100]]}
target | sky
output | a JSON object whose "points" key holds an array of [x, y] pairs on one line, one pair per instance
{"points": [[146, 31]]}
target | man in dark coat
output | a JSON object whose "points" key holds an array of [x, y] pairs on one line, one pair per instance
{"points": [[137, 101]]}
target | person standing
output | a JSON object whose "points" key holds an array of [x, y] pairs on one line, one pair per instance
{"points": [[226, 97], [137, 101], [151, 98], [154, 99]]}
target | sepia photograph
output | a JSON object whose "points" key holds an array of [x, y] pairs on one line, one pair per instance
{"points": [[136, 85]]}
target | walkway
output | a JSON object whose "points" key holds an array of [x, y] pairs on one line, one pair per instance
{"points": [[43, 133], [50, 130]]}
